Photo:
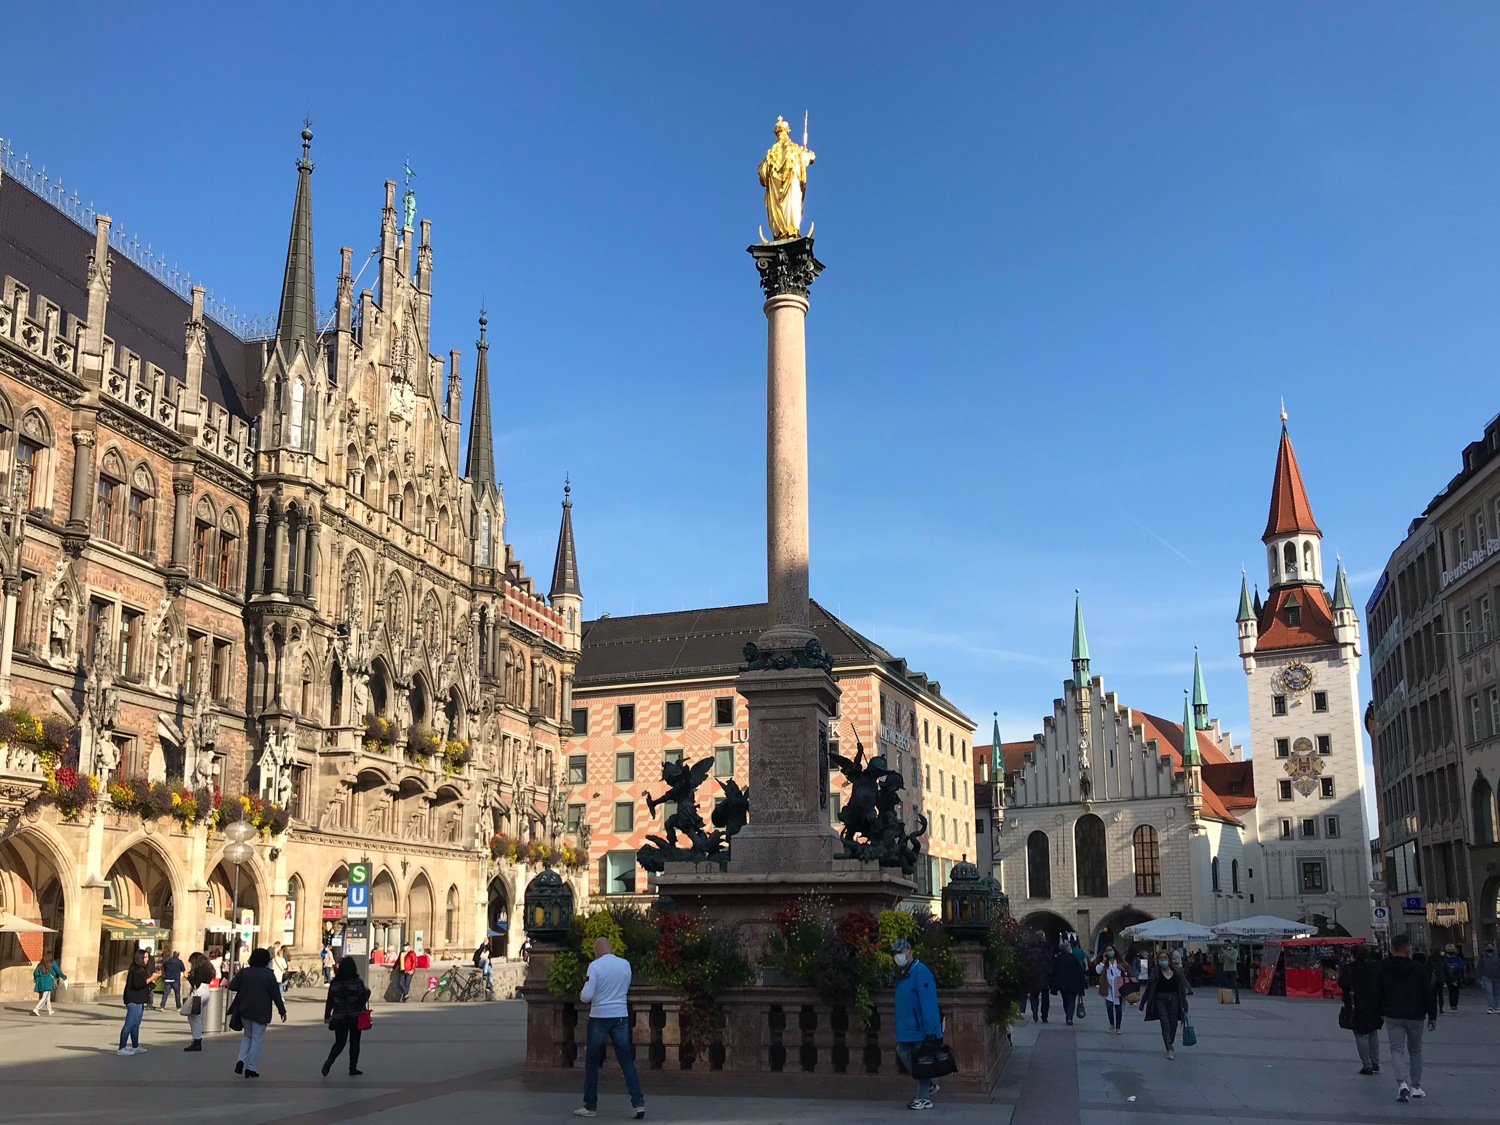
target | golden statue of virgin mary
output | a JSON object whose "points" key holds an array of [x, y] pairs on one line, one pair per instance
{"points": [[783, 173]]}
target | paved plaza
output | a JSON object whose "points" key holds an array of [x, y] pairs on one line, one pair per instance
{"points": [[1269, 1060]]}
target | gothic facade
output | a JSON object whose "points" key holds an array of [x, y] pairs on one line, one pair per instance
{"points": [[246, 563]]}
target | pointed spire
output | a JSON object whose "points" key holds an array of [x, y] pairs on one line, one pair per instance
{"points": [[1290, 510], [1258, 604], [479, 464], [1200, 694], [297, 321], [565, 566], [1247, 612], [997, 756], [1190, 755], [1341, 598], [1081, 676]]}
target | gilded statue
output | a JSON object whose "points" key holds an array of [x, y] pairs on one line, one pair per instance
{"points": [[783, 173]]}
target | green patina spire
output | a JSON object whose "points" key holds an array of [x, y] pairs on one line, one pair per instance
{"points": [[1200, 694], [997, 759], [1081, 676], [1247, 611], [1341, 598], [1189, 734]]}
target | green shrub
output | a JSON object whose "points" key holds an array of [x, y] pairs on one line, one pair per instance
{"points": [[566, 975]]}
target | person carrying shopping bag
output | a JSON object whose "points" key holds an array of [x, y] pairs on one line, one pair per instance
{"points": [[200, 978], [255, 993], [1114, 977], [347, 1013], [1165, 1000]]}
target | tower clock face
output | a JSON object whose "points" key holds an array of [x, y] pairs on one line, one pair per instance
{"points": [[1296, 678]]}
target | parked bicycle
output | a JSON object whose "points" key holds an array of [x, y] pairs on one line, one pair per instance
{"points": [[302, 978], [460, 984]]}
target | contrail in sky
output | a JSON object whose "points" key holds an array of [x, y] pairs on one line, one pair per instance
{"points": [[1158, 538]]}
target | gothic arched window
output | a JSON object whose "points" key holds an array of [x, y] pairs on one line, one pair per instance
{"points": [[1147, 861], [1214, 873], [1038, 866], [1089, 858], [1234, 875], [484, 539], [299, 405], [1482, 798]]}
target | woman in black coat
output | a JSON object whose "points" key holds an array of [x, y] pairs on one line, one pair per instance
{"points": [[1165, 1000], [1068, 979], [347, 998], [255, 993], [1359, 982]]}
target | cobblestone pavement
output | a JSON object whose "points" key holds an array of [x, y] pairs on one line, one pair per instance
{"points": [[1265, 1061]]}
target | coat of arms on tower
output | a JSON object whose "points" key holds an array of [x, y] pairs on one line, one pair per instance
{"points": [[1304, 767]]}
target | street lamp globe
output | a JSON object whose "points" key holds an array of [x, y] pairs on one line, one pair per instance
{"points": [[240, 832], [238, 852]]}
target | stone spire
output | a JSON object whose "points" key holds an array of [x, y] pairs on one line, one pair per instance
{"points": [[565, 566], [479, 465], [297, 321], [1200, 694], [1081, 676], [997, 756]]}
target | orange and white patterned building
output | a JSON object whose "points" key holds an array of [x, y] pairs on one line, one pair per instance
{"points": [[660, 687]]}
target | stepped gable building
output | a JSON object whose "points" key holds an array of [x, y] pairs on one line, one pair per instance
{"points": [[253, 564], [660, 687], [1108, 817], [1434, 717], [1300, 649]]}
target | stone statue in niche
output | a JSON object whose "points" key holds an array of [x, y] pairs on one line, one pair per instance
{"points": [[60, 630]]}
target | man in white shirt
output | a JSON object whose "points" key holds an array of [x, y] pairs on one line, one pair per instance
{"points": [[606, 991]]}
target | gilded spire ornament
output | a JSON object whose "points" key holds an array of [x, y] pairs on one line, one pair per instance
{"points": [[783, 173]]}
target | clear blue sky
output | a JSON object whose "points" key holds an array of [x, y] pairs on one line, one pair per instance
{"points": [[1076, 253]]}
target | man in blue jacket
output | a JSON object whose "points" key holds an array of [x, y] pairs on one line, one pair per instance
{"points": [[917, 1015]]}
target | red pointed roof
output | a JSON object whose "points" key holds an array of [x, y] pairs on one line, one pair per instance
{"points": [[1290, 511]]}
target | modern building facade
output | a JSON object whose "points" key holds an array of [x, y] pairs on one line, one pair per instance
{"points": [[1435, 713], [1300, 649], [660, 687], [242, 564], [1110, 816]]}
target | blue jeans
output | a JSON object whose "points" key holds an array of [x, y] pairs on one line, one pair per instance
{"points": [[616, 1030], [903, 1052], [1491, 991], [175, 988], [132, 1026]]}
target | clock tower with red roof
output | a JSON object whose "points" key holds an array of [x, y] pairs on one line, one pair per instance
{"points": [[1300, 649]]}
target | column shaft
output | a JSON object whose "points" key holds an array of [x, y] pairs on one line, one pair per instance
{"points": [[786, 463]]}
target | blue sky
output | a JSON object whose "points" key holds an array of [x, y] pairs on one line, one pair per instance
{"points": [[1076, 254]]}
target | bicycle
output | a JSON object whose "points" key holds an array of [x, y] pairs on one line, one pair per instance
{"points": [[457, 985], [301, 978]]}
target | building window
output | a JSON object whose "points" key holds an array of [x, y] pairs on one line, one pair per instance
{"points": [[222, 670], [625, 767], [1089, 848], [579, 720], [296, 805], [673, 720], [1283, 747], [1234, 876], [484, 545], [723, 761], [1484, 620], [1312, 876], [1325, 744], [927, 777], [194, 672], [1309, 828], [624, 816], [1038, 866], [724, 711], [1476, 720], [1327, 785], [1331, 827], [106, 502], [835, 806], [1147, 860], [619, 873], [1213, 870], [574, 820], [28, 464], [132, 759], [1494, 711], [578, 769], [1293, 614], [229, 546], [98, 616], [1286, 828], [940, 783], [138, 523], [1278, 705], [1284, 790], [130, 638], [1320, 701], [625, 718], [672, 754]]}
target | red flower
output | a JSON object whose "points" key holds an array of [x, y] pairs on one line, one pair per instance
{"points": [[787, 917], [67, 777], [858, 931]]}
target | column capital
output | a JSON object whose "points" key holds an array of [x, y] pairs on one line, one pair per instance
{"points": [[786, 267], [182, 486], [83, 438]]}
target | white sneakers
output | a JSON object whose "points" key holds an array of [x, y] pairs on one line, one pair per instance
{"points": [[1404, 1093], [1418, 1092], [583, 1112], [920, 1103]]}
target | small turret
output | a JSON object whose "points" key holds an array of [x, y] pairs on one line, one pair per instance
{"points": [[1192, 762], [1345, 623], [565, 594], [997, 756], [1200, 694], [1081, 675], [1248, 622]]}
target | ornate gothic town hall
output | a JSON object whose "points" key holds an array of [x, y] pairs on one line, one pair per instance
{"points": [[253, 576]]}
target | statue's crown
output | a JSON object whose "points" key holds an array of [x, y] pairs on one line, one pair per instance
{"points": [[781, 126]]}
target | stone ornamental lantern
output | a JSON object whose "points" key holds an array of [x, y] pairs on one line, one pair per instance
{"points": [[549, 908], [999, 900], [967, 904]]}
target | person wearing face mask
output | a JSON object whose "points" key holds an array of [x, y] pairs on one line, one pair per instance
{"points": [[1165, 1000], [1068, 980], [917, 1016], [1113, 977]]}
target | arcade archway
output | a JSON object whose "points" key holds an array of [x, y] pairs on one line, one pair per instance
{"points": [[30, 888], [1049, 925]]}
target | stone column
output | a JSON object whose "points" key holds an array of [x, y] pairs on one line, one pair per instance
{"points": [[8, 635], [79, 509], [278, 548], [297, 540], [182, 524], [258, 553], [311, 592], [786, 271]]}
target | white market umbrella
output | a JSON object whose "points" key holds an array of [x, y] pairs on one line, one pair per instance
{"points": [[1168, 929], [1264, 926], [14, 924]]}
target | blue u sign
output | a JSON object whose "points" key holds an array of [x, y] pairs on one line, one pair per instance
{"points": [[359, 895]]}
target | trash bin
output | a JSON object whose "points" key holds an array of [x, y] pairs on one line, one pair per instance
{"points": [[215, 1011]]}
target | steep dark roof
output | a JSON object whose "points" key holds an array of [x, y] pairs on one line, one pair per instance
{"points": [[297, 319], [565, 565], [711, 642], [479, 461], [49, 253]]}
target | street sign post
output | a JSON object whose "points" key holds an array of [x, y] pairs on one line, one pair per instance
{"points": [[357, 916], [1381, 917]]}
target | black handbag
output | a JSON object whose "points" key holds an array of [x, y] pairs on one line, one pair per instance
{"points": [[235, 1023], [932, 1059], [1346, 1017]]}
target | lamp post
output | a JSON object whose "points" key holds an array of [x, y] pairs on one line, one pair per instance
{"points": [[237, 851]]}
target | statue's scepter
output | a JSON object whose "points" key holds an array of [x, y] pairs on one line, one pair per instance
{"points": [[804, 128]]}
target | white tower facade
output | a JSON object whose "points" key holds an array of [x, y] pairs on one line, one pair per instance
{"points": [[1301, 649]]}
